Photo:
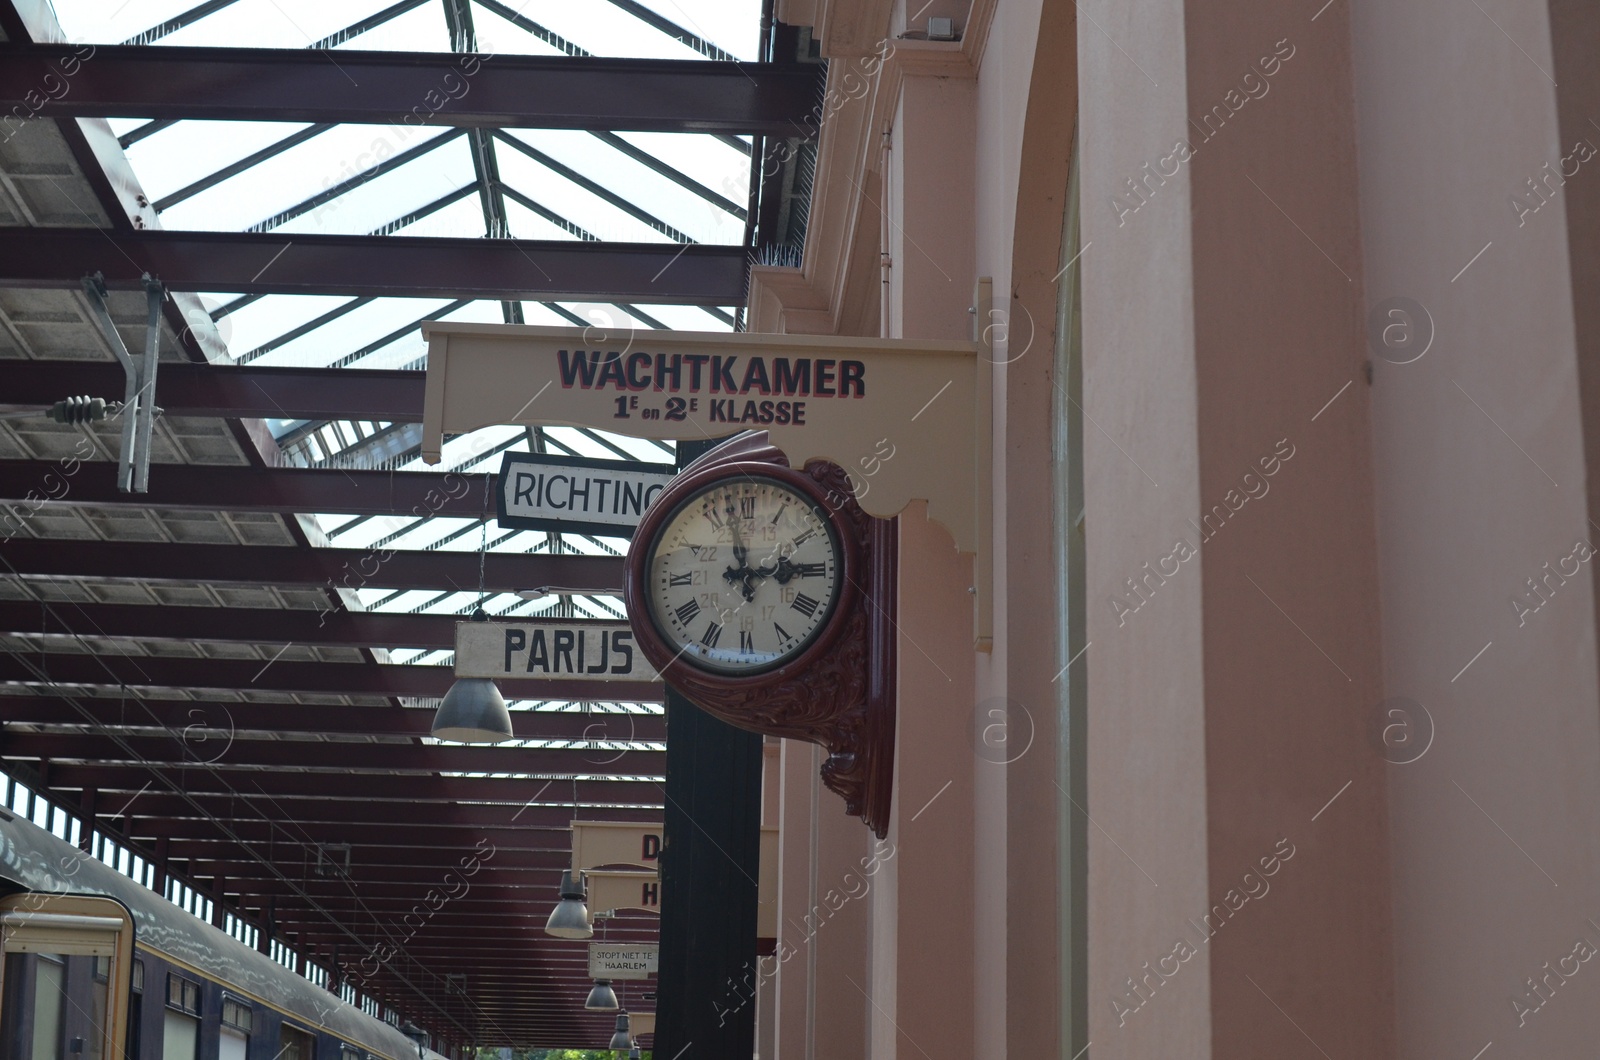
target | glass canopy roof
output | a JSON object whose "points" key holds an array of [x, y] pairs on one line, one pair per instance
{"points": [[437, 181]]}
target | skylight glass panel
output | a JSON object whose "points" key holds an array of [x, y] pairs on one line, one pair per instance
{"points": [[424, 24], [596, 27], [602, 162], [709, 159], [301, 23], [263, 320], [179, 154], [360, 323], [586, 207], [102, 23]]}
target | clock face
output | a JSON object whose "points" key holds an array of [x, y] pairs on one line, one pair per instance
{"points": [[744, 575]]}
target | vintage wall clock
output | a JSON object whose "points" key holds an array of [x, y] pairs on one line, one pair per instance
{"points": [[765, 595]]}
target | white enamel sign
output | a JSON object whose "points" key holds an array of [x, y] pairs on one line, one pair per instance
{"points": [[618, 960], [576, 650]]}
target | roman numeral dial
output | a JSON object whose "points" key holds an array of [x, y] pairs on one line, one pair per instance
{"points": [[743, 575]]}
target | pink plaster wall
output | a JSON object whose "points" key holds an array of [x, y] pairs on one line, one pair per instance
{"points": [[924, 978], [923, 908], [1230, 693], [1290, 582], [1034, 151], [1148, 867], [823, 938], [930, 207], [792, 989], [1235, 714], [1481, 481], [842, 939]]}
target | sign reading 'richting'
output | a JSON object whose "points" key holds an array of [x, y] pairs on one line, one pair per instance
{"points": [[606, 497]]}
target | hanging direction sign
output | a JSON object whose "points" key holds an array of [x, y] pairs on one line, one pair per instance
{"points": [[576, 495], [622, 960], [610, 891], [596, 843], [819, 396], [907, 419], [576, 650]]}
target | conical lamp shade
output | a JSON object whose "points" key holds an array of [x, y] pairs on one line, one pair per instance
{"points": [[602, 998], [473, 711], [621, 1039], [570, 918]]}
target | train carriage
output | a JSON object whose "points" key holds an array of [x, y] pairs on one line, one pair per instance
{"points": [[97, 967]]}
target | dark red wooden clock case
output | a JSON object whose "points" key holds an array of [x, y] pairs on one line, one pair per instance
{"points": [[840, 691]]}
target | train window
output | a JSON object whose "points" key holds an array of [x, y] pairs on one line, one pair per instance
{"points": [[236, 1025], [295, 1044], [350, 1052], [138, 977], [183, 994], [49, 990], [180, 1036], [237, 1013], [54, 1004]]}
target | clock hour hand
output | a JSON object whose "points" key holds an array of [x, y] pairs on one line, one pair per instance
{"points": [[787, 569]]}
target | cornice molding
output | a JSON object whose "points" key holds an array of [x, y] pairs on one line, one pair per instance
{"points": [[975, 34], [829, 289]]}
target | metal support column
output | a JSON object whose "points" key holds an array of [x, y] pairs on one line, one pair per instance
{"points": [[710, 861], [139, 388]]}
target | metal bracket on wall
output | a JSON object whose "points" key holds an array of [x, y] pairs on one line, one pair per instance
{"points": [[139, 394]]}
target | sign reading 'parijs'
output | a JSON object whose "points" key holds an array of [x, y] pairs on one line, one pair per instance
{"points": [[539, 492], [585, 651]]}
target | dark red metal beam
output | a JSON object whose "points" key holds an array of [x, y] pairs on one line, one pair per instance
{"points": [[214, 746], [547, 828], [280, 565], [365, 861], [307, 677], [247, 625], [216, 390], [412, 89], [475, 947], [291, 791], [377, 266], [366, 912], [520, 909], [251, 626], [374, 902], [179, 715], [212, 487], [533, 893], [249, 805]]}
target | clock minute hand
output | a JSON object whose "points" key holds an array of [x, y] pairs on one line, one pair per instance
{"points": [[743, 573], [741, 556]]}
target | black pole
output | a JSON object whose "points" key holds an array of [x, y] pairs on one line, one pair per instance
{"points": [[711, 849]]}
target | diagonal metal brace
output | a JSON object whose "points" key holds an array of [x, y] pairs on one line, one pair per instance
{"points": [[139, 393]]}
